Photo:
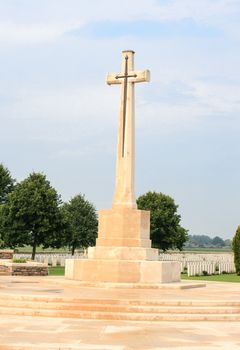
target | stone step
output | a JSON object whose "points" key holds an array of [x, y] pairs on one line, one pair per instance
{"points": [[5, 298], [119, 316], [179, 309]]}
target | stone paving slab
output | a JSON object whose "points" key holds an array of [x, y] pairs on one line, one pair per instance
{"points": [[30, 333], [33, 333], [61, 288]]}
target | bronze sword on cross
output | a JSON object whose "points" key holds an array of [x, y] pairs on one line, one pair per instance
{"points": [[124, 190], [125, 76]]}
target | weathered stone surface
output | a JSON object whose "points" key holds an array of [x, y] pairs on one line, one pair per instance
{"points": [[6, 254], [23, 269], [123, 271]]}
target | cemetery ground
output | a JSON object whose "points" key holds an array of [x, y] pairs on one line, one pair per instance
{"points": [[53, 313]]}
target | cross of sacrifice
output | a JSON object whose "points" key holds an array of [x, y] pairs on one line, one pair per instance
{"points": [[124, 192]]}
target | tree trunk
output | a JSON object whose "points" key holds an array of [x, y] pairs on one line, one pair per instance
{"points": [[34, 247], [73, 249]]}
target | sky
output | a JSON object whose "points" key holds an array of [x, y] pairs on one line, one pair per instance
{"points": [[59, 117]]}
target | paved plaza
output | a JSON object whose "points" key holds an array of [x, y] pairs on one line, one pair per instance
{"points": [[34, 332]]}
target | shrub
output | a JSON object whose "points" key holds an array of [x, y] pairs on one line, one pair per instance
{"points": [[19, 260], [236, 250], [205, 273]]}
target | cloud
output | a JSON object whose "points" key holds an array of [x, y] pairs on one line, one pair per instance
{"points": [[141, 28], [189, 104], [86, 106], [142, 18], [15, 33]]}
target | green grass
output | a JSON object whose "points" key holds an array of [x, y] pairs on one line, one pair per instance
{"points": [[207, 250], [56, 271], [231, 277]]}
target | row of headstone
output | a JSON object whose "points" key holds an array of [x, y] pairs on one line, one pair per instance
{"points": [[201, 268], [199, 264], [228, 267], [52, 259]]}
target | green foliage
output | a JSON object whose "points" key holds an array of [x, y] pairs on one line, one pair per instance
{"points": [[218, 242], [228, 243], [19, 260], [165, 230], [231, 277], [203, 241], [236, 250], [6, 186], [81, 223], [198, 241], [205, 273], [31, 215], [6, 183]]}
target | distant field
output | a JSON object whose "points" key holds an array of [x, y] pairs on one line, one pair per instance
{"points": [[28, 249], [231, 277]]}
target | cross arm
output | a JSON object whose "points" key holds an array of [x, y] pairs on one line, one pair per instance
{"points": [[133, 77], [111, 79], [141, 76]]}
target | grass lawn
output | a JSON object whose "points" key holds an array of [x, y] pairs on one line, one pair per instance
{"points": [[231, 277], [56, 271], [207, 250]]}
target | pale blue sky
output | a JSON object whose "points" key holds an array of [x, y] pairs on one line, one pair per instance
{"points": [[59, 117]]}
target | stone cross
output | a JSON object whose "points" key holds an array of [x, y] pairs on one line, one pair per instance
{"points": [[124, 191]]}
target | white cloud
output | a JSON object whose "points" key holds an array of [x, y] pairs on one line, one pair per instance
{"points": [[207, 101], [88, 103], [15, 33], [73, 14]]}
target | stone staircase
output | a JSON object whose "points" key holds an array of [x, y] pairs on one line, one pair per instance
{"points": [[120, 309]]}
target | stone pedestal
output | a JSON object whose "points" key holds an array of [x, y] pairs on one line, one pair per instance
{"points": [[123, 252], [123, 271]]}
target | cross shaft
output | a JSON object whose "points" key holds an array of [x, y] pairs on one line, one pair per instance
{"points": [[124, 191]]}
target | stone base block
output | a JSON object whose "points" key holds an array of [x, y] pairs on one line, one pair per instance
{"points": [[125, 271], [124, 227], [123, 253]]}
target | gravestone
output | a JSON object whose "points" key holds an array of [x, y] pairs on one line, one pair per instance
{"points": [[123, 250]]}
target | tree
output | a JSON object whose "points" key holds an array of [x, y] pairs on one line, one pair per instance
{"points": [[236, 250], [165, 230], [81, 223], [6, 183], [31, 215], [228, 243], [218, 242], [198, 241]]}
